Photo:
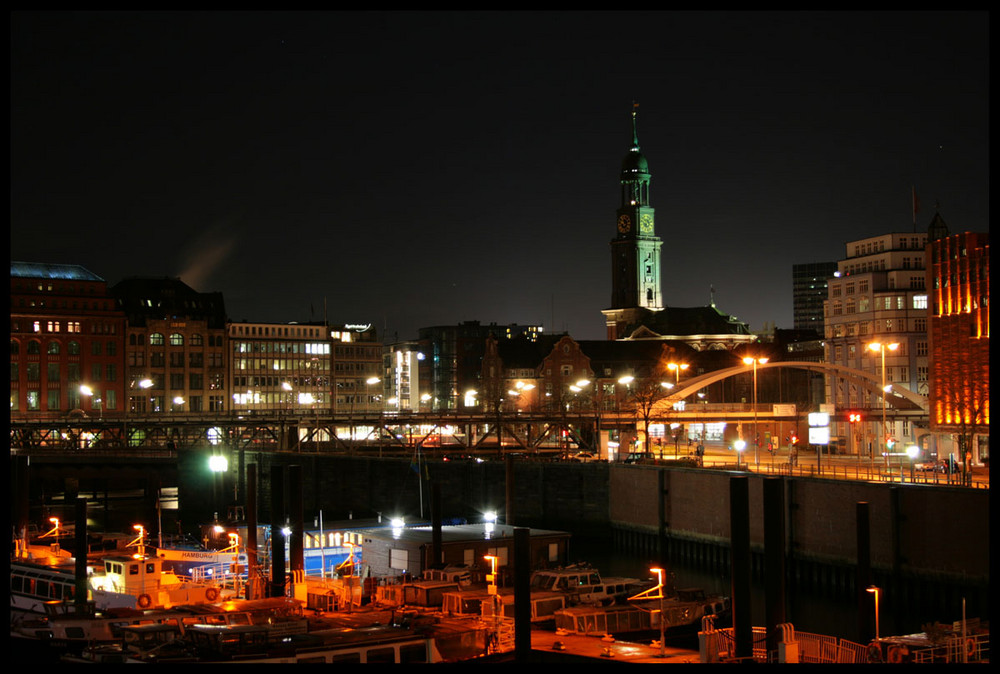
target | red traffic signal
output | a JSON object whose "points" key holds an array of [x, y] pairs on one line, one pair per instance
{"points": [[855, 417]]}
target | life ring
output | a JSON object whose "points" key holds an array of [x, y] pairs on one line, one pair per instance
{"points": [[898, 654], [874, 653], [144, 601], [970, 647], [211, 594]]}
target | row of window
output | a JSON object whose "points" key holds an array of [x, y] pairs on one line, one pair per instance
{"points": [[108, 400], [175, 339], [888, 325], [883, 303], [317, 348], [53, 372]]}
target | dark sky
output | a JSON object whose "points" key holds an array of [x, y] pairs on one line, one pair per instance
{"points": [[417, 169]]}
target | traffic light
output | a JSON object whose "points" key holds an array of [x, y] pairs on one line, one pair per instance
{"points": [[855, 417], [794, 438]]}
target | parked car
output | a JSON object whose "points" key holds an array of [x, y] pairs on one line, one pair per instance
{"points": [[932, 467]]}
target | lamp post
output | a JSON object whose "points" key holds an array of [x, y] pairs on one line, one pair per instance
{"points": [[880, 348], [874, 590], [676, 369], [753, 361], [625, 380], [89, 392]]}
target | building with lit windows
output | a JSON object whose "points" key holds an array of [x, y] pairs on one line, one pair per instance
{"points": [[66, 343], [877, 297], [454, 360], [402, 390], [958, 279], [176, 353], [280, 367], [357, 369]]}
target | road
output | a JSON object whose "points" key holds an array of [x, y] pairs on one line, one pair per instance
{"points": [[809, 461]]}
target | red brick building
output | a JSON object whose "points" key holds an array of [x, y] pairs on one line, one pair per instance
{"points": [[66, 338], [959, 342]]}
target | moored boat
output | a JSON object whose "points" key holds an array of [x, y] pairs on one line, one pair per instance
{"points": [[583, 584]]}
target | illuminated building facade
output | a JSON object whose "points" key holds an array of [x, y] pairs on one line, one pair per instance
{"points": [[958, 278], [877, 296], [357, 367], [175, 351], [280, 367], [638, 309], [454, 360], [635, 250], [402, 367], [66, 332]]}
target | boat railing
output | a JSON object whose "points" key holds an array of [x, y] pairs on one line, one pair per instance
{"points": [[972, 648], [816, 648]]}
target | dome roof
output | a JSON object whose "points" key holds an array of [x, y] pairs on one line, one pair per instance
{"points": [[634, 162]]}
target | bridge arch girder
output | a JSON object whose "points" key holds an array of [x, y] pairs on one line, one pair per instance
{"points": [[901, 398]]}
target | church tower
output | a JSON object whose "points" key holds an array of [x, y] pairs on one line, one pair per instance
{"points": [[635, 249]]}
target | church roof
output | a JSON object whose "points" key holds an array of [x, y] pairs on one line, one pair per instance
{"points": [[68, 272], [686, 321]]}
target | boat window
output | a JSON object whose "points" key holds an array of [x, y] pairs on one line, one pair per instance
{"points": [[317, 658], [151, 568], [346, 657], [413, 653], [42, 588], [595, 579], [75, 633], [381, 655], [133, 569]]}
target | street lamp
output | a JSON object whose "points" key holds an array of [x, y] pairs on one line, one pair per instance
{"points": [[676, 368], [913, 452], [880, 348], [368, 391], [874, 590], [87, 391], [756, 443]]}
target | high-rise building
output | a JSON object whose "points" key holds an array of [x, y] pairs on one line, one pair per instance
{"points": [[877, 297], [66, 343], [809, 294], [958, 279]]}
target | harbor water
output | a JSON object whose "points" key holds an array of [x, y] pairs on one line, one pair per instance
{"points": [[833, 612]]}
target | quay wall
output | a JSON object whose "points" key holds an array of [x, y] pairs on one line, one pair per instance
{"points": [[935, 532]]}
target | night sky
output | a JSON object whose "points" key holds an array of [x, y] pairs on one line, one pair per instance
{"points": [[419, 169]]}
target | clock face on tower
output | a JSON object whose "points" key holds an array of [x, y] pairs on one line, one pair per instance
{"points": [[646, 224], [624, 224]]}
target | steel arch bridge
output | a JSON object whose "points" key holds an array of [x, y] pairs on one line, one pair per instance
{"points": [[900, 398]]}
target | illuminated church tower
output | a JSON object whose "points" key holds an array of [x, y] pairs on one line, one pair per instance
{"points": [[635, 250], [638, 309]]}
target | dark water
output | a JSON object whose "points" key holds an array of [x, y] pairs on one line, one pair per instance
{"points": [[832, 613]]}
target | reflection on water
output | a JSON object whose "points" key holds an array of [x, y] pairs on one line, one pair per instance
{"points": [[808, 611]]}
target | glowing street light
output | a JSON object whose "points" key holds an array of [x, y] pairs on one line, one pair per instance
{"points": [[879, 347], [753, 361], [676, 368], [874, 590], [89, 392]]}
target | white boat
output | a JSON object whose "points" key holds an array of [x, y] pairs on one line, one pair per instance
{"points": [[681, 613], [583, 584]]}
